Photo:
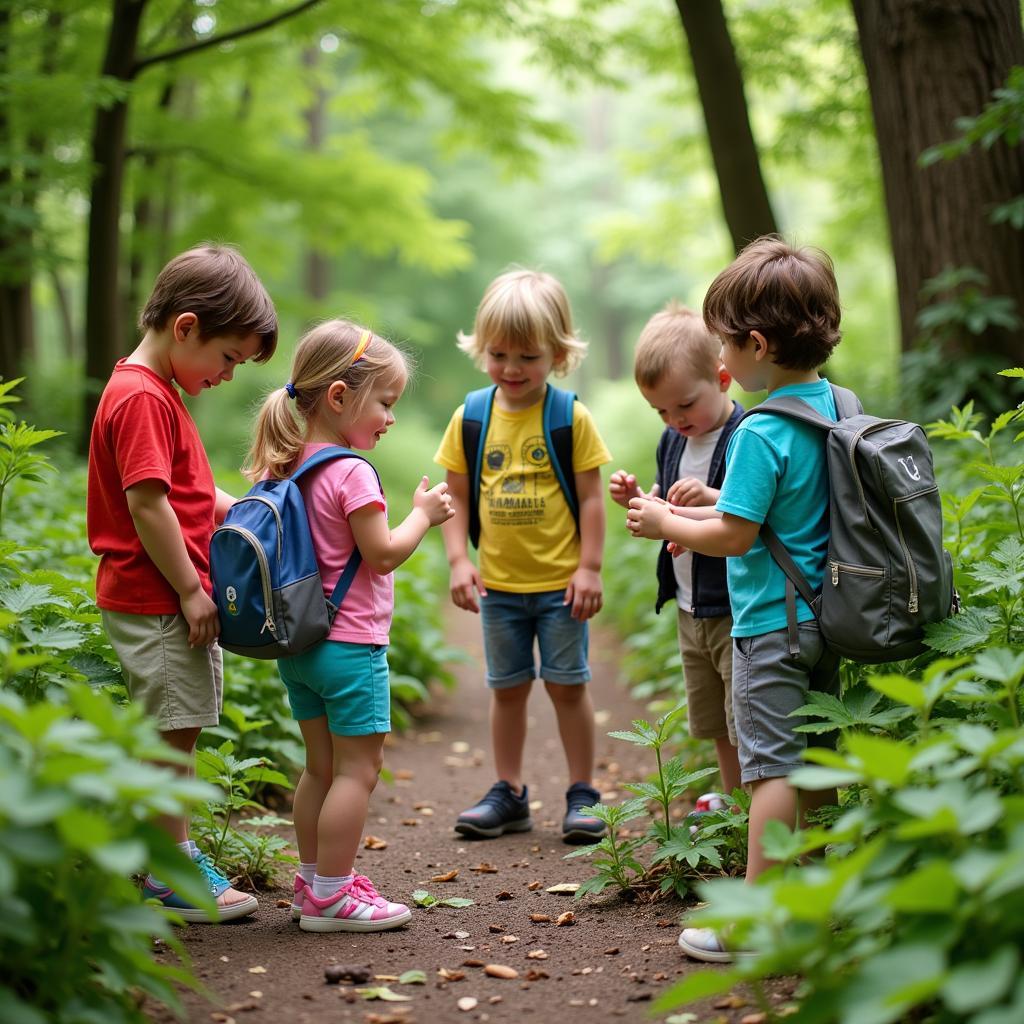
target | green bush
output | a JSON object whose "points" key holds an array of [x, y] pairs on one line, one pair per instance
{"points": [[77, 811]]}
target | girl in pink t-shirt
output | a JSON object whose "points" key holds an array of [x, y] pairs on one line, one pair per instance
{"points": [[344, 383]]}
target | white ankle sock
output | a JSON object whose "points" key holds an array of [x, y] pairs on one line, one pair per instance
{"points": [[328, 885], [308, 872]]}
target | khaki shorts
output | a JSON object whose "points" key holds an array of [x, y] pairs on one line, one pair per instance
{"points": [[706, 649], [179, 686]]}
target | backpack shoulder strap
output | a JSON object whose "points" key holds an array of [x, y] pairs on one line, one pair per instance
{"points": [[794, 409], [558, 414], [847, 402], [796, 583], [476, 416], [348, 573]]}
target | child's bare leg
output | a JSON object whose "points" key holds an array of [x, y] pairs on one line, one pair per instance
{"points": [[184, 740], [811, 800], [575, 712], [357, 763], [508, 732], [771, 800], [728, 763], [313, 785]]}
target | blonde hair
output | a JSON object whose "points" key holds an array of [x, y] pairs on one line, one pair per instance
{"points": [[525, 309], [675, 337], [322, 356]]}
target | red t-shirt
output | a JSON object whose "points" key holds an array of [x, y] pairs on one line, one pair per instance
{"points": [[143, 431]]}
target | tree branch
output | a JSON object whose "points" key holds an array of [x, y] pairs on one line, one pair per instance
{"points": [[226, 37]]}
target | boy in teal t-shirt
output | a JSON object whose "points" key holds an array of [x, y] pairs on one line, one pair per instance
{"points": [[776, 309]]}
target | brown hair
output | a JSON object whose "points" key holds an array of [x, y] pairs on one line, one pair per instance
{"points": [[526, 309], [322, 356], [788, 294], [217, 284], [675, 337]]}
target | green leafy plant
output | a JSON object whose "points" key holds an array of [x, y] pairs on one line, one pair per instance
{"points": [[423, 899], [614, 857], [235, 845], [77, 817]]}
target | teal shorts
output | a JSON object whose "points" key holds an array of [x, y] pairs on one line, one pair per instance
{"points": [[346, 682]]}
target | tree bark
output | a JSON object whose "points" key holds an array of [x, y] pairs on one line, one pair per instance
{"points": [[102, 328], [928, 64], [745, 203]]}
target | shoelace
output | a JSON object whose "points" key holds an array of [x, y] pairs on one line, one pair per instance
{"points": [[213, 877], [500, 797], [363, 889]]}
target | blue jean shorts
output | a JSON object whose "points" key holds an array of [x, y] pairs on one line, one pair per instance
{"points": [[511, 624], [346, 682], [768, 684]]}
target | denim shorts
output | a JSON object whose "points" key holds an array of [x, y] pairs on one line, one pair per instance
{"points": [[346, 682], [511, 624], [768, 683]]}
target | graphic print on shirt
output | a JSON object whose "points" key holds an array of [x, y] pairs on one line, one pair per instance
{"points": [[515, 497]]}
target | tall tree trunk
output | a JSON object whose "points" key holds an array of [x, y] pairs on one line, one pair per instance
{"points": [[928, 64], [318, 266], [102, 327], [745, 202]]}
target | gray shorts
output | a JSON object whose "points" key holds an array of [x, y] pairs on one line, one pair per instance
{"points": [[179, 686], [768, 683]]}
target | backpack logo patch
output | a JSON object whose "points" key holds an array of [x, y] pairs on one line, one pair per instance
{"points": [[232, 596], [910, 468]]}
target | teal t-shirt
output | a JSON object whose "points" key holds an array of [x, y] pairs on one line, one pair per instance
{"points": [[775, 471]]}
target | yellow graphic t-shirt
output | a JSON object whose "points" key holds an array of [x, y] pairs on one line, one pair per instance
{"points": [[528, 538]]}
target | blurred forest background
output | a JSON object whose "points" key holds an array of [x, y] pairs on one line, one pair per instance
{"points": [[385, 160]]}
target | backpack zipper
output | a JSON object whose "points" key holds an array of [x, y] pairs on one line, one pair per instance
{"points": [[911, 568], [277, 517], [855, 570], [268, 603]]}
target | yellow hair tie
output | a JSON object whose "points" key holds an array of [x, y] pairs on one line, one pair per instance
{"points": [[364, 340]]}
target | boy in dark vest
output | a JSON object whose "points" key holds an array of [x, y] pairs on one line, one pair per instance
{"points": [[776, 310], [523, 464], [678, 369]]}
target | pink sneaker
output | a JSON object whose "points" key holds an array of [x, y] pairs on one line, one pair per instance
{"points": [[299, 888], [356, 907]]}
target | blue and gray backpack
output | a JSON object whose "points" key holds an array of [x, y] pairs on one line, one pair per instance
{"points": [[557, 420], [266, 582]]}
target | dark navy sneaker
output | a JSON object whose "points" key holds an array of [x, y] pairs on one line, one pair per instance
{"points": [[499, 812], [576, 826]]}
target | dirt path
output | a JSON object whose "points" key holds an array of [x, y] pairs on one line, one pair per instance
{"points": [[607, 966]]}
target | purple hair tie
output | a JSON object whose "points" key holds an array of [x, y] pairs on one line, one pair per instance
{"points": [[290, 388]]}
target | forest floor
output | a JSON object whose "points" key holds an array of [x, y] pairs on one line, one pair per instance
{"points": [[607, 965]]}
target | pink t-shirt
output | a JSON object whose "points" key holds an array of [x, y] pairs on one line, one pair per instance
{"points": [[332, 492]]}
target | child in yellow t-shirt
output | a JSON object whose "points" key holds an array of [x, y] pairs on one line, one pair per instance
{"points": [[539, 576]]}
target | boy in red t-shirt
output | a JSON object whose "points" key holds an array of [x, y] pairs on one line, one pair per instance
{"points": [[152, 506]]}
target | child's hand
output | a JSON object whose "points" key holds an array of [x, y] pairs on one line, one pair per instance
{"points": [[436, 502], [584, 594], [201, 615], [465, 585], [691, 491], [645, 517], [622, 486], [675, 550]]}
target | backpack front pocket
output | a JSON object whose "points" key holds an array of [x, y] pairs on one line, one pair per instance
{"points": [[856, 593]]}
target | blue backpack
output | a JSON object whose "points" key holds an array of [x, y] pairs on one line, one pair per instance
{"points": [[557, 418], [266, 582]]}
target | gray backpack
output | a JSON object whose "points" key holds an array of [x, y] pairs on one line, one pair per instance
{"points": [[887, 574]]}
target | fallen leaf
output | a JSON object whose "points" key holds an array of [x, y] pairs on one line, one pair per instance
{"points": [[565, 919], [536, 974], [563, 887], [754, 1018], [485, 869], [497, 929], [375, 843], [504, 895], [449, 975], [472, 963], [383, 992], [539, 918], [534, 886], [509, 939], [422, 806], [536, 954], [283, 903], [501, 971], [256, 994], [410, 822], [448, 876], [222, 1018], [257, 970], [667, 924], [494, 1000], [466, 1003], [385, 977], [413, 977], [404, 773], [612, 951]]}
